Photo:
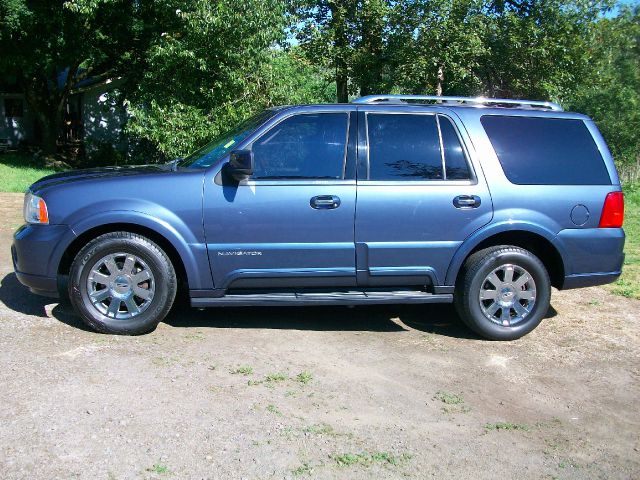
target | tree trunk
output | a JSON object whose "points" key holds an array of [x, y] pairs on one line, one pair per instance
{"points": [[440, 81], [342, 86], [48, 105], [339, 20], [50, 131]]}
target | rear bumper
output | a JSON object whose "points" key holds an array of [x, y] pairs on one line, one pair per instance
{"points": [[593, 256], [36, 253], [589, 280]]}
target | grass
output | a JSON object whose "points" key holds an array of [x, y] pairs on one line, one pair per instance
{"points": [[304, 377], [320, 429], [304, 469], [19, 171], [243, 370], [453, 402], [159, 469], [366, 458], [506, 426], [449, 398], [275, 377], [628, 285]]}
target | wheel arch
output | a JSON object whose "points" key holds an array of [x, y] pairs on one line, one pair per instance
{"points": [[184, 271], [538, 241]]}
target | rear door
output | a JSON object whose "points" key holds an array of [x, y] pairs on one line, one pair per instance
{"points": [[419, 195]]}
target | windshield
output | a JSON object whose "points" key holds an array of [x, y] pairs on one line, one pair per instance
{"points": [[222, 144]]}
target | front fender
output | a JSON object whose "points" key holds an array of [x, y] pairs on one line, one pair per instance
{"points": [[494, 229], [165, 223]]}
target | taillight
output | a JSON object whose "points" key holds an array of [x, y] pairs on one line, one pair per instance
{"points": [[612, 211]]}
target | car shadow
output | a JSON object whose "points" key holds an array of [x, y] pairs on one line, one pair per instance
{"points": [[439, 319]]}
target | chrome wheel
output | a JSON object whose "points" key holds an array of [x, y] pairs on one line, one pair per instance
{"points": [[507, 295], [120, 286]]}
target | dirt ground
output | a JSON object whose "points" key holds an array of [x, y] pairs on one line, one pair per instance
{"points": [[360, 393]]}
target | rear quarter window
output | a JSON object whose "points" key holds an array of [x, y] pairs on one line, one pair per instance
{"points": [[546, 151]]}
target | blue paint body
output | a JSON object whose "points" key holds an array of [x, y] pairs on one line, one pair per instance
{"points": [[263, 234]]}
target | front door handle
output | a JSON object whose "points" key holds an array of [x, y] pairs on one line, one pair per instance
{"points": [[325, 202], [466, 201]]}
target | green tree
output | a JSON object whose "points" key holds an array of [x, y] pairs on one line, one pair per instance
{"points": [[436, 46], [610, 91], [326, 33], [536, 49], [47, 47], [218, 65]]}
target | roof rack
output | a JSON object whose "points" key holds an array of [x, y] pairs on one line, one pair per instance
{"points": [[475, 101]]}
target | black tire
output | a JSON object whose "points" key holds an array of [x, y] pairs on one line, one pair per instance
{"points": [[157, 262], [472, 278]]}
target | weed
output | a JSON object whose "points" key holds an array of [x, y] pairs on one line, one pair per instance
{"points": [[506, 426], [304, 377], [273, 409], [251, 383], [320, 429], [453, 402], [159, 469], [449, 398], [366, 458], [275, 377], [304, 469], [243, 370]]}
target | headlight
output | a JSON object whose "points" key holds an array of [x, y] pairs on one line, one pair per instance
{"points": [[35, 209]]}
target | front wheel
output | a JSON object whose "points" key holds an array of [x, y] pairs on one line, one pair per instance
{"points": [[503, 292], [122, 283]]}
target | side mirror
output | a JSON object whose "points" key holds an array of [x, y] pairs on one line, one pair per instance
{"points": [[240, 165]]}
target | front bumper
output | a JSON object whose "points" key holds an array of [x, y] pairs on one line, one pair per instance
{"points": [[36, 253]]}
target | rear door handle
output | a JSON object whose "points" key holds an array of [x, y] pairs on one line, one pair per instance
{"points": [[325, 202], [467, 201]]}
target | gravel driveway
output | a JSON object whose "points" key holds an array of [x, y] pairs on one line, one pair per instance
{"points": [[360, 393]]}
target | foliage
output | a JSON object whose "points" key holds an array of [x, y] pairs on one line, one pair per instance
{"points": [[436, 46], [610, 92], [628, 284], [49, 47], [218, 65], [536, 49]]}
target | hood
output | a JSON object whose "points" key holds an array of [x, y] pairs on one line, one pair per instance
{"points": [[97, 173]]}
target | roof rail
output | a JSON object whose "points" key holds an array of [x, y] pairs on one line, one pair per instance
{"points": [[475, 101]]}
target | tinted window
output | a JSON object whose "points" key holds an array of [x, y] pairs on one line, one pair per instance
{"points": [[546, 151], [303, 146], [404, 147], [456, 164]]}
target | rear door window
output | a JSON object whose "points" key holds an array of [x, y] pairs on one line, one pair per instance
{"points": [[414, 147], [546, 151]]}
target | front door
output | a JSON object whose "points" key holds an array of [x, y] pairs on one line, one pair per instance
{"points": [[419, 196], [290, 225]]}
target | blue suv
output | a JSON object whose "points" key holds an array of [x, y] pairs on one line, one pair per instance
{"points": [[485, 203]]}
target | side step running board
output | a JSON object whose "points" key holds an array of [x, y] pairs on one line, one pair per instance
{"points": [[337, 298]]}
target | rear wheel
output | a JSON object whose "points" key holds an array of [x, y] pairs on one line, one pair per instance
{"points": [[503, 292], [122, 283]]}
